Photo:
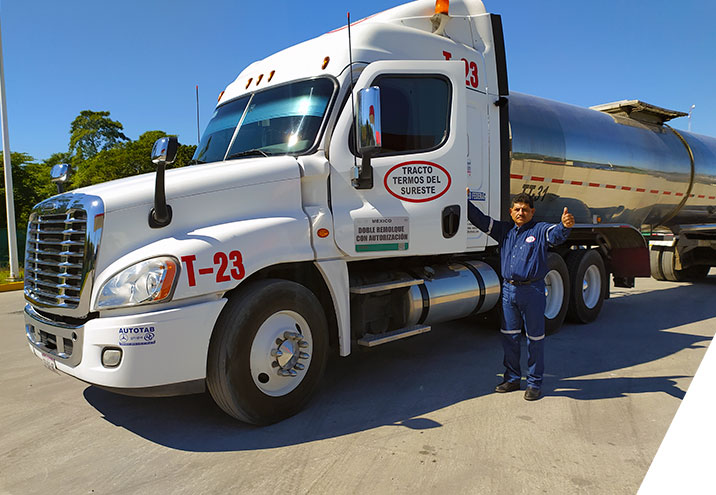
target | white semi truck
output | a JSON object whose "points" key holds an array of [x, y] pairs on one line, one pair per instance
{"points": [[294, 236]]}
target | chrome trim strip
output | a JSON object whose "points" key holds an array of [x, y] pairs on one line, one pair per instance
{"points": [[697, 228], [372, 340]]}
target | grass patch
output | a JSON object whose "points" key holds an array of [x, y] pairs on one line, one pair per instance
{"points": [[5, 274]]}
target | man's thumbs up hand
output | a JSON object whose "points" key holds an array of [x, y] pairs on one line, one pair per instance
{"points": [[567, 218]]}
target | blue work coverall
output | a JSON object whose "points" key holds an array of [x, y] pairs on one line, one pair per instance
{"points": [[523, 260]]}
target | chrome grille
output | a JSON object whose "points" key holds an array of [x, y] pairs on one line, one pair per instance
{"points": [[55, 257]]}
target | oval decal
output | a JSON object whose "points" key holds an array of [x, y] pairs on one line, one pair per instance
{"points": [[417, 181]]}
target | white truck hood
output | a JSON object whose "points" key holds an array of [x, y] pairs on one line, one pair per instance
{"points": [[196, 179]]}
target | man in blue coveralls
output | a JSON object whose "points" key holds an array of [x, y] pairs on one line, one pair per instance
{"points": [[523, 259]]}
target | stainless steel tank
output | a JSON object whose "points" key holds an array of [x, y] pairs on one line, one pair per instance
{"points": [[611, 167]]}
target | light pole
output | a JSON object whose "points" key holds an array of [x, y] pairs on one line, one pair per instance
{"points": [[690, 111], [9, 198]]}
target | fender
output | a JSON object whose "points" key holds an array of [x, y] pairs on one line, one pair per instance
{"points": [[335, 276], [215, 259]]}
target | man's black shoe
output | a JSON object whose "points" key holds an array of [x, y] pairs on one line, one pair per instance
{"points": [[507, 386], [532, 393]]}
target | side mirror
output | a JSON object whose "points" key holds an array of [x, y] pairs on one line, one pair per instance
{"points": [[368, 135], [59, 174], [368, 121], [164, 152]]}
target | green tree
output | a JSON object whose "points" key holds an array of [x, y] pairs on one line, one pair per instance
{"points": [[126, 159], [92, 132], [30, 184]]}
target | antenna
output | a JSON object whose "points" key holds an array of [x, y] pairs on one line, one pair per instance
{"points": [[198, 137], [356, 170]]}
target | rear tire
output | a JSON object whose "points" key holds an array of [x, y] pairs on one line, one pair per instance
{"points": [[268, 351], [691, 274], [655, 263], [587, 278], [668, 266], [556, 293]]}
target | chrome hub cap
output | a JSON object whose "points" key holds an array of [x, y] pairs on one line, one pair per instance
{"points": [[554, 294], [591, 287], [281, 353]]}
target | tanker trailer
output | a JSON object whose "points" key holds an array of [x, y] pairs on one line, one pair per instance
{"points": [[620, 165]]}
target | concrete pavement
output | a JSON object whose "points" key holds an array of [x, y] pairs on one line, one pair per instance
{"points": [[416, 416]]}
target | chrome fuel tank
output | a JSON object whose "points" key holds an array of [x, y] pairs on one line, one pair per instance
{"points": [[609, 168]]}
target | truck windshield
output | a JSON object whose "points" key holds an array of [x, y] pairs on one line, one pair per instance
{"points": [[278, 121]]}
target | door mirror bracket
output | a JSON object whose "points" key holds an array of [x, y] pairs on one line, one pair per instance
{"points": [[163, 153]]}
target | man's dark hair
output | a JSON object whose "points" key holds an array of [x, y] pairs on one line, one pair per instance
{"points": [[523, 198]]}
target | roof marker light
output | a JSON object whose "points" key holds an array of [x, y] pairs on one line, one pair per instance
{"points": [[248, 83], [325, 63], [440, 18], [259, 79], [442, 6], [219, 98], [271, 76]]}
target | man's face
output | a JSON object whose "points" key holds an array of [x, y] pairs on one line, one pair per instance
{"points": [[521, 213]]}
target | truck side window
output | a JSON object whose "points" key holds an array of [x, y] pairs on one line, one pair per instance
{"points": [[415, 112]]}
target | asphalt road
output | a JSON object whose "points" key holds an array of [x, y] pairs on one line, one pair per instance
{"points": [[415, 416]]}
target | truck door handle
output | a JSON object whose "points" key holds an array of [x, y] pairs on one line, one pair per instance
{"points": [[451, 220]]}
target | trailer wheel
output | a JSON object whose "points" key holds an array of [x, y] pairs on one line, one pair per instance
{"points": [[668, 266], [268, 351], [691, 274], [556, 293], [655, 263], [587, 280]]}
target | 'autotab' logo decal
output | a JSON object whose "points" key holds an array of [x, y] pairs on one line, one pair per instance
{"points": [[417, 181], [137, 335]]}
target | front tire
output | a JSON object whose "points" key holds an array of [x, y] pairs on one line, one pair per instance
{"points": [[588, 282], [268, 351], [556, 293]]}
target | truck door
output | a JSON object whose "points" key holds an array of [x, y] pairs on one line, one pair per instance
{"points": [[417, 204], [478, 160]]}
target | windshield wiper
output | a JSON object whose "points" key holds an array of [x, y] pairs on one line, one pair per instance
{"points": [[251, 152]]}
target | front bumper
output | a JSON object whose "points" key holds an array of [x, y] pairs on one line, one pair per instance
{"points": [[158, 348]]}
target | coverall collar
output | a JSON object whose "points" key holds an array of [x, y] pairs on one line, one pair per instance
{"points": [[526, 226]]}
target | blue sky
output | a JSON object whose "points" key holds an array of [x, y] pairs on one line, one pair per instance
{"points": [[141, 60]]}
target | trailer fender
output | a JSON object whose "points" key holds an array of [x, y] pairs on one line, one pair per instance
{"points": [[625, 250]]}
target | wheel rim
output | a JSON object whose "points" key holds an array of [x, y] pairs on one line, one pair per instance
{"points": [[554, 294], [591, 286], [281, 353]]}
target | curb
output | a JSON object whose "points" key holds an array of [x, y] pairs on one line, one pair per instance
{"points": [[12, 286]]}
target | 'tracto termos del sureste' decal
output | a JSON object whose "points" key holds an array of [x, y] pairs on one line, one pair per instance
{"points": [[417, 181]]}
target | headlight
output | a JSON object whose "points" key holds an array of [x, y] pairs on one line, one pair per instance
{"points": [[145, 282]]}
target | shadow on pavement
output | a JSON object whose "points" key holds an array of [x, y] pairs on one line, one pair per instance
{"points": [[401, 384]]}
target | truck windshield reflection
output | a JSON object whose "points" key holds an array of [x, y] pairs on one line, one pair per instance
{"points": [[278, 121]]}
